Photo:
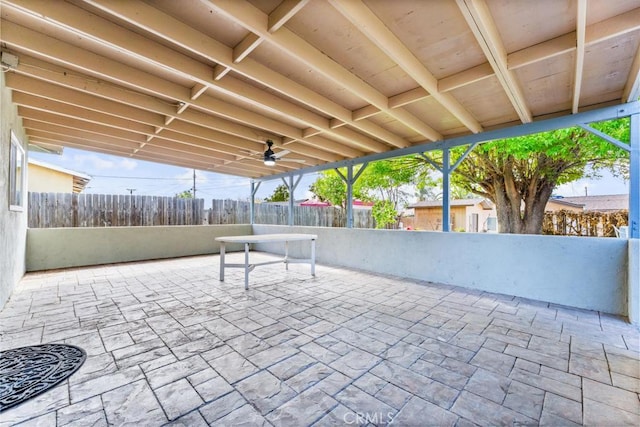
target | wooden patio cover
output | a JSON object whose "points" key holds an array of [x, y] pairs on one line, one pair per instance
{"points": [[203, 84]]}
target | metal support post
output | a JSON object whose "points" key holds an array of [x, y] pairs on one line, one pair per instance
{"points": [[349, 196], [634, 178], [446, 172], [350, 179], [291, 186], [252, 201]]}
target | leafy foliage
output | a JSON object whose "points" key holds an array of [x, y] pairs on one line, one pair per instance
{"points": [[280, 194], [520, 174], [384, 212], [380, 181], [186, 194]]}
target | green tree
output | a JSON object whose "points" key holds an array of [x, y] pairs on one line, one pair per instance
{"points": [[186, 194], [280, 194], [381, 181], [520, 174]]}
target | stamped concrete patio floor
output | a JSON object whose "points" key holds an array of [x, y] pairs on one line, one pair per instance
{"points": [[168, 343]]}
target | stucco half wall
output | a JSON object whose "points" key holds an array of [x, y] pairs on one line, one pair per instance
{"points": [[49, 248], [589, 273]]}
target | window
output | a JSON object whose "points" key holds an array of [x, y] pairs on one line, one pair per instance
{"points": [[17, 175]]}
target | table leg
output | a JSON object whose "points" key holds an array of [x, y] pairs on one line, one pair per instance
{"points": [[246, 266], [222, 261], [313, 258], [286, 255]]}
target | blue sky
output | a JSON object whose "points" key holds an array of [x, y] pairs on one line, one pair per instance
{"points": [[116, 175]]}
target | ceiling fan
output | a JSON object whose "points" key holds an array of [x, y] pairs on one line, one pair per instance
{"points": [[270, 157]]}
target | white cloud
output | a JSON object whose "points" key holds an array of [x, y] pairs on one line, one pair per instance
{"points": [[94, 162], [127, 164]]}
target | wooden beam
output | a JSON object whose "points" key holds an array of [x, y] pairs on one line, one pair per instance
{"points": [[478, 17], [631, 90], [541, 51], [285, 11], [162, 25], [377, 32], [581, 24], [255, 20]]}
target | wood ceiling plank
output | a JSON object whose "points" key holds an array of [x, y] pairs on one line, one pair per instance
{"points": [[198, 120], [484, 28], [162, 25], [35, 103], [255, 21], [377, 32], [99, 29]]}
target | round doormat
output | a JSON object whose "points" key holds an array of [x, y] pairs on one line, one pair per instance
{"points": [[26, 372]]}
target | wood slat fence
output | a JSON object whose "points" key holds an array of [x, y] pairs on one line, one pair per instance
{"points": [[238, 212], [47, 210]]}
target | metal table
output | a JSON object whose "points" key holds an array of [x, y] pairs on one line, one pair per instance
{"points": [[266, 238]]}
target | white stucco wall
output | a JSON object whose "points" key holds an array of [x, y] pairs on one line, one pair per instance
{"points": [[589, 273], [13, 224], [49, 248]]}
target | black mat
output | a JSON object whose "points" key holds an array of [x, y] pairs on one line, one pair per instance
{"points": [[26, 372]]}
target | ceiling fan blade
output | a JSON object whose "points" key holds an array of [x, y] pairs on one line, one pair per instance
{"points": [[282, 153], [292, 160]]}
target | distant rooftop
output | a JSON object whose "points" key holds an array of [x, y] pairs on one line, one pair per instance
{"points": [[605, 203], [486, 204]]}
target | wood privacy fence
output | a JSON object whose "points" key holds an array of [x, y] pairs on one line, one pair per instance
{"points": [[47, 210], [238, 212], [593, 224]]}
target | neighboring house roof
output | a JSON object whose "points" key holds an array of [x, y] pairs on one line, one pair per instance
{"points": [[564, 201], [80, 180], [606, 203], [486, 204]]}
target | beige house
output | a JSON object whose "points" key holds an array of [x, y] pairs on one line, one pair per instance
{"points": [[470, 215], [45, 178], [559, 204]]}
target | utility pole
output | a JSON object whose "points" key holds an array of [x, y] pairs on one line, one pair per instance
{"points": [[131, 190], [194, 183]]}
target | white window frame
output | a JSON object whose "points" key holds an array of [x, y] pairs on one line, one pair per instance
{"points": [[17, 179]]}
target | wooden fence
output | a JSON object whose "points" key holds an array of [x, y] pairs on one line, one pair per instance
{"points": [[48, 210], [593, 224], [238, 212]]}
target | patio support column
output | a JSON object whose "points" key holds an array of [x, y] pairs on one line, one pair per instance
{"points": [[291, 186], [252, 201], [634, 178], [446, 172], [350, 179]]}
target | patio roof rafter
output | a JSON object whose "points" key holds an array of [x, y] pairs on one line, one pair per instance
{"points": [[477, 15], [255, 21], [174, 31]]}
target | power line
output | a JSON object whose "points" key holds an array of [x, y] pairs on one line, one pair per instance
{"points": [[140, 177]]}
